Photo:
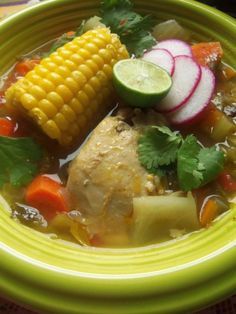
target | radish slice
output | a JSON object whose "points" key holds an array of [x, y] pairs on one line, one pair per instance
{"points": [[175, 46], [162, 58], [185, 80], [194, 107]]}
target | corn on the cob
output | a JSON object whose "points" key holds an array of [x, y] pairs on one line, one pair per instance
{"points": [[68, 88]]}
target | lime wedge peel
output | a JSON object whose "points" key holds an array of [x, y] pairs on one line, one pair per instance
{"points": [[140, 83]]}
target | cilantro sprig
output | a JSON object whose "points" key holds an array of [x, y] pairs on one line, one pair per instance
{"points": [[19, 159], [133, 29], [159, 149]]}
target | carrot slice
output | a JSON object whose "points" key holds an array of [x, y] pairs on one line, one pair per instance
{"points": [[209, 212], [7, 127], [47, 196], [207, 54], [25, 66]]}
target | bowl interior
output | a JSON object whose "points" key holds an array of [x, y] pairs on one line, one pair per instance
{"points": [[171, 275]]}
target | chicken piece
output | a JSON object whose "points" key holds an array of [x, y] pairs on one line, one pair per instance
{"points": [[106, 175]]}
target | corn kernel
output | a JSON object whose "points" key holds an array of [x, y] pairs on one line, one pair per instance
{"points": [[79, 41], [83, 98], [51, 129], [63, 71], [71, 65], [33, 77], [68, 113], [51, 66], [89, 91], [105, 54], [102, 78], [38, 115], [72, 85], [79, 78], [91, 48], [64, 92], [65, 54], [86, 71], [76, 106], [107, 70], [85, 54], [55, 78], [61, 122], [47, 107], [55, 99], [98, 60], [98, 42], [41, 70], [72, 46], [77, 59], [95, 83], [47, 85], [57, 59], [28, 101], [37, 92], [92, 65]]}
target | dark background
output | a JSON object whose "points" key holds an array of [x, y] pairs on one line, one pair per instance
{"points": [[228, 6]]}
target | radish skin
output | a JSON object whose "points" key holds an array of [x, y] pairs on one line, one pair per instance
{"points": [[198, 102], [176, 47], [185, 80], [162, 58]]}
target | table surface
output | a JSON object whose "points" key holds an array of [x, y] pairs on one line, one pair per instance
{"points": [[225, 307]]}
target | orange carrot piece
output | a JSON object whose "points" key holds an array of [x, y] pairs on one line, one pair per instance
{"points": [[7, 127], [208, 212], [25, 66], [207, 54], [70, 33], [47, 196]]}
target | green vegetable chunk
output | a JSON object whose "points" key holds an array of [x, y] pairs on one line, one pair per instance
{"points": [[18, 160], [156, 216]]}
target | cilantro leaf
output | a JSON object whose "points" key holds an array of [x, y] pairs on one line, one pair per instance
{"points": [[158, 147], [197, 166], [133, 29], [212, 162], [187, 164], [18, 160]]}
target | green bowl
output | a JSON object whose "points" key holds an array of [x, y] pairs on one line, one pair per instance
{"points": [[50, 275]]}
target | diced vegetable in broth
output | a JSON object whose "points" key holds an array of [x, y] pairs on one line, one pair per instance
{"points": [[108, 164], [156, 216]]}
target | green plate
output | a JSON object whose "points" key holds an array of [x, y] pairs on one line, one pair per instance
{"points": [[179, 276]]}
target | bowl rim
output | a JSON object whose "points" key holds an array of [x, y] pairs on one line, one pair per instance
{"points": [[20, 273]]}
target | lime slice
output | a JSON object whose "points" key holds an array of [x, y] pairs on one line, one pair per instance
{"points": [[140, 83]]}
